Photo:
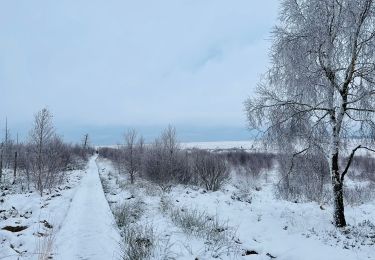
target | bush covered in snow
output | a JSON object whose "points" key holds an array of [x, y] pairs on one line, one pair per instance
{"points": [[219, 238], [250, 163], [138, 242], [212, 171], [163, 162], [128, 212]]}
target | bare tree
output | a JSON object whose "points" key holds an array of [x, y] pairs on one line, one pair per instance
{"points": [[57, 156], [320, 88], [6, 142], [15, 162], [41, 135], [130, 153], [164, 162], [140, 153], [24, 164], [171, 147], [154, 164], [85, 141], [8, 146], [85, 145], [212, 170], [15, 167]]}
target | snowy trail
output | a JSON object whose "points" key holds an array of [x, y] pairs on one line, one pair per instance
{"points": [[88, 232]]}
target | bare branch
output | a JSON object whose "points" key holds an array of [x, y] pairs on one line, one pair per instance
{"points": [[349, 162]]}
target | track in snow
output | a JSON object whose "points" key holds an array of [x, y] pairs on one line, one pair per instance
{"points": [[89, 230]]}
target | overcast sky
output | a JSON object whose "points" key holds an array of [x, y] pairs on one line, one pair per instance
{"points": [[116, 63]]}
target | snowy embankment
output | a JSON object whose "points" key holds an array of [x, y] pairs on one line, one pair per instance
{"points": [[261, 226], [40, 218]]}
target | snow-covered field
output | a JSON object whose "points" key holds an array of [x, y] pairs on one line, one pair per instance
{"points": [[259, 225], [251, 145], [243, 220], [248, 145]]}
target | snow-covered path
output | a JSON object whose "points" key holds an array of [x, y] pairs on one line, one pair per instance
{"points": [[88, 231]]}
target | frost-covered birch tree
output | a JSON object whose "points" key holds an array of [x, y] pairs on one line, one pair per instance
{"points": [[41, 136], [130, 153], [320, 89]]}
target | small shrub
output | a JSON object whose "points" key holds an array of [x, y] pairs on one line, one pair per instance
{"points": [[212, 170], [164, 166], [191, 221], [244, 190], [358, 236], [250, 163], [166, 204], [105, 184], [219, 238], [128, 212], [138, 242]]}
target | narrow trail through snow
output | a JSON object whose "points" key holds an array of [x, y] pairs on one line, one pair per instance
{"points": [[88, 231]]}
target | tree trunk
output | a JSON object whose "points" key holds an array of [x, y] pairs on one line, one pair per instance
{"points": [[338, 196], [131, 165], [28, 177], [321, 179], [338, 214], [15, 168]]}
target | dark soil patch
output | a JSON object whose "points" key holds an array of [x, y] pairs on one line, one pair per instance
{"points": [[15, 228], [249, 252], [46, 224]]}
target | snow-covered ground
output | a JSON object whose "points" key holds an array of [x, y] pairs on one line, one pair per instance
{"points": [[41, 217], [262, 226], [74, 220]]}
